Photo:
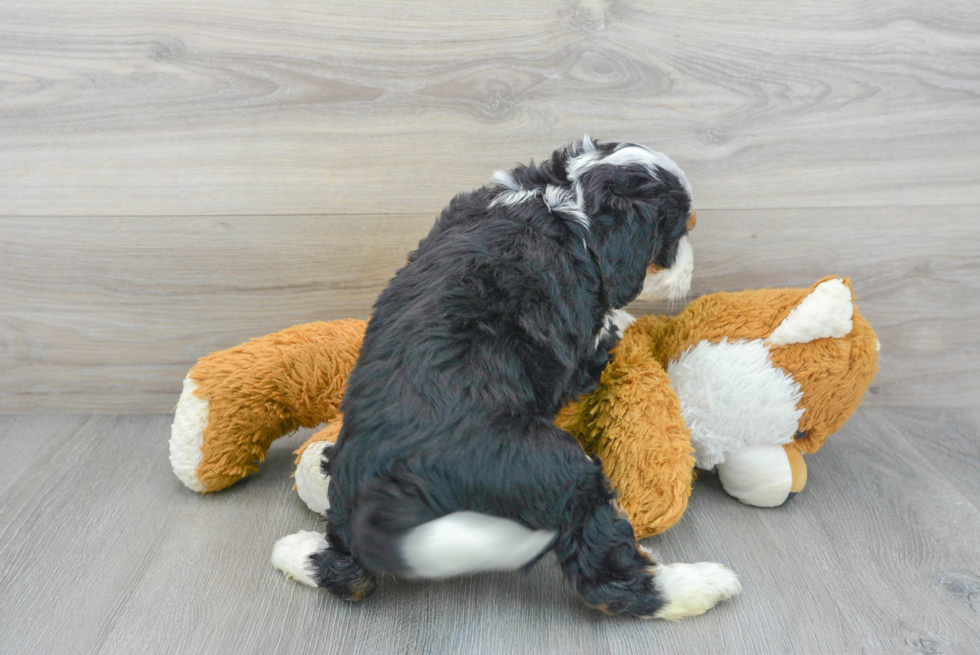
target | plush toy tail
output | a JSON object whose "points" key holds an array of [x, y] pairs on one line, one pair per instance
{"points": [[236, 402]]}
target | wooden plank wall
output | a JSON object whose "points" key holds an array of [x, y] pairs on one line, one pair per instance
{"points": [[178, 177]]}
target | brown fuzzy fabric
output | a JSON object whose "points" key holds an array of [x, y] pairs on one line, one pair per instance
{"points": [[834, 374], [633, 423], [268, 387]]}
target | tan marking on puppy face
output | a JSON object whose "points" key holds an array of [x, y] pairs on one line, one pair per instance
{"points": [[692, 220]]}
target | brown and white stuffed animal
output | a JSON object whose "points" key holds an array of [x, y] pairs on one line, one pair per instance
{"points": [[743, 383]]}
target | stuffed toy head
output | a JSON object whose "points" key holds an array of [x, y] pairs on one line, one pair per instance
{"points": [[743, 383], [764, 376]]}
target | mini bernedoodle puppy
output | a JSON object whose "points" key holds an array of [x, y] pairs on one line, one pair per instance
{"points": [[448, 461]]}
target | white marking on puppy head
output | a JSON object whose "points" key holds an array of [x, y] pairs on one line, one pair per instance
{"points": [[827, 312], [693, 589], [625, 155], [469, 542], [312, 485], [506, 180], [732, 396], [561, 199], [515, 197], [187, 435], [291, 555], [671, 283]]}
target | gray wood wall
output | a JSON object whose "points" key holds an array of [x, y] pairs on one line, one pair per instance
{"points": [[178, 177]]}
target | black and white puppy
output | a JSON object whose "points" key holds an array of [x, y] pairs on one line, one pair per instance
{"points": [[448, 461]]}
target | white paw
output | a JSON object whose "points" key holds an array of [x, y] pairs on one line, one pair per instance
{"points": [[187, 435], [311, 484], [693, 589], [291, 555]]}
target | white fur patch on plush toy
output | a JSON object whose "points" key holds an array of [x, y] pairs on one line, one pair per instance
{"points": [[187, 435], [757, 475], [731, 396], [826, 313], [311, 484]]}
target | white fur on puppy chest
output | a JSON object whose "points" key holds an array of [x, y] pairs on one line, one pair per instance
{"points": [[732, 396], [469, 542]]}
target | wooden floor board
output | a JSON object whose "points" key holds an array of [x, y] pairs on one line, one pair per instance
{"points": [[950, 441], [373, 106], [878, 554], [26, 440]]}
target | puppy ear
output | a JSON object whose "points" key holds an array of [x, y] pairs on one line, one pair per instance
{"points": [[636, 217]]}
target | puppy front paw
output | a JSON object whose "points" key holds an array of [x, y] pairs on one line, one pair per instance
{"points": [[693, 589]]}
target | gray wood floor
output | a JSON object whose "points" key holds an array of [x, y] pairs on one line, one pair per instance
{"points": [[102, 550]]}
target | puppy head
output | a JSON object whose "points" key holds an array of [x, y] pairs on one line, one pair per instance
{"points": [[639, 206]]}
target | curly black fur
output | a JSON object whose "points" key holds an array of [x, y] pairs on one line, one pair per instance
{"points": [[473, 347]]}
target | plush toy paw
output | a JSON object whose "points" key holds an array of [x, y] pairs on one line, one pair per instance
{"points": [[312, 481], [764, 476]]}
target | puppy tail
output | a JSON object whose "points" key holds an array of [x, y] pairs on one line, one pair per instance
{"points": [[399, 529]]}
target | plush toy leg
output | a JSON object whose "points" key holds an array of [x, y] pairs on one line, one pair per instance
{"points": [[764, 476], [312, 482], [633, 423], [238, 401]]}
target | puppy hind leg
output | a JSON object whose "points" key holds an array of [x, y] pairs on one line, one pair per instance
{"points": [[611, 572], [308, 558]]}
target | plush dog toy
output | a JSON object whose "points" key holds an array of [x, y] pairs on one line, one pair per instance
{"points": [[743, 383]]}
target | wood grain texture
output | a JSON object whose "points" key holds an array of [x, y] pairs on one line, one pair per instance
{"points": [[108, 314], [24, 439], [103, 551], [373, 106]]}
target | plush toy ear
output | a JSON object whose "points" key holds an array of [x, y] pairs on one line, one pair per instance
{"points": [[826, 311]]}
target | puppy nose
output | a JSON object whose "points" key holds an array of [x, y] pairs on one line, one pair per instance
{"points": [[692, 220]]}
